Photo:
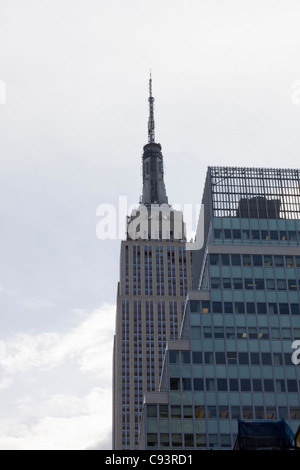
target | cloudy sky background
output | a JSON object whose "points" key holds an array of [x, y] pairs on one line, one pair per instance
{"points": [[226, 79]]}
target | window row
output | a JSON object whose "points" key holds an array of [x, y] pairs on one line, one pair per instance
{"points": [[282, 308], [254, 260], [177, 440], [230, 357], [234, 385], [222, 412], [259, 284], [243, 332], [257, 235]]}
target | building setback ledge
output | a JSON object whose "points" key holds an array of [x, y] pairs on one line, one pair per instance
{"points": [[198, 295], [156, 397], [179, 345]]}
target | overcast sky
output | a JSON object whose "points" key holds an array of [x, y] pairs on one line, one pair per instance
{"points": [[226, 82]]}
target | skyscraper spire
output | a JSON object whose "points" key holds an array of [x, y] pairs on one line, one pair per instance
{"points": [[151, 123], [154, 191]]}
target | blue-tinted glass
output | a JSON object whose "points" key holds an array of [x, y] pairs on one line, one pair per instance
{"points": [[274, 235], [273, 310], [197, 357], [222, 385], [228, 307], [257, 260], [260, 284], [292, 236], [225, 260], [257, 385], [284, 309], [217, 233], [205, 306], [295, 309], [198, 384], [185, 357], [233, 385], [269, 385], [250, 306], [217, 307], [236, 260], [227, 234], [248, 284], [214, 260], [255, 235], [245, 385], [174, 357], [186, 384], [261, 307], [236, 234], [194, 306]]}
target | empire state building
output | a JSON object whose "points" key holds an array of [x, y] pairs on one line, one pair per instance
{"points": [[155, 275]]}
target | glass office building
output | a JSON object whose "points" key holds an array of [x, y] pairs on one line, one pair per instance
{"points": [[233, 358]]}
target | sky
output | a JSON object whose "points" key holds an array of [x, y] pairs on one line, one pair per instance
{"points": [[73, 122]]}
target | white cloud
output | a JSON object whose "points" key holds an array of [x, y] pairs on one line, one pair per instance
{"points": [[66, 423], [65, 380], [88, 344]]}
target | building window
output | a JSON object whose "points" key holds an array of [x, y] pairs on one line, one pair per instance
{"points": [[228, 307], [292, 386], [231, 357], [152, 411], [283, 412], [211, 412], [217, 307], [235, 412], [175, 411], [295, 412], [185, 357], [186, 384], [239, 307], [220, 358], [284, 309], [223, 412], [199, 411], [222, 385], [247, 412], [245, 385], [196, 332], [188, 411], [164, 440], [225, 260], [174, 357], [213, 440], [269, 385], [176, 440], [225, 440], [200, 440], [257, 385], [198, 384], [197, 357], [234, 385], [174, 384], [210, 385], [271, 412], [259, 412], [152, 440], [189, 440], [280, 386], [163, 411]]}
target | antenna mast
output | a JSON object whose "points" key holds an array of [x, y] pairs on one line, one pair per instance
{"points": [[151, 124]]}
